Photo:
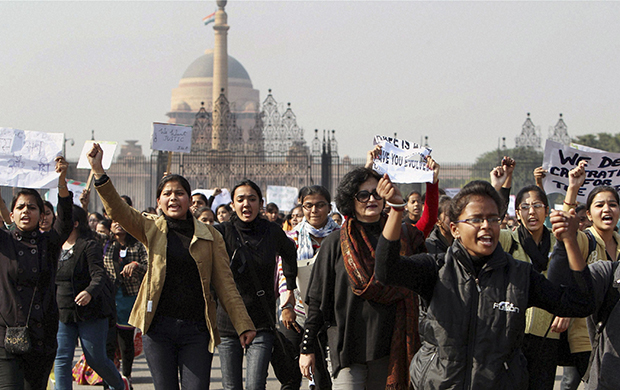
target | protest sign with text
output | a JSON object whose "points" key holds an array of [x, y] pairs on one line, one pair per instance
{"points": [[27, 158], [603, 169], [403, 161], [171, 138]]}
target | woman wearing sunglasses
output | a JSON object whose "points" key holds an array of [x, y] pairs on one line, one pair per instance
{"points": [[372, 331]]}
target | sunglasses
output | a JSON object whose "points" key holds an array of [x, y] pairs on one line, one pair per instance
{"points": [[364, 196]]}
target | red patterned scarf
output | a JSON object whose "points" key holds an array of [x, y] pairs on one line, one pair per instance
{"points": [[359, 261]]}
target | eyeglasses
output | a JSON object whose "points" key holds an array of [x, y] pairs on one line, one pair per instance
{"points": [[364, 196], [526, 207], [319, 205], [477, 222]]}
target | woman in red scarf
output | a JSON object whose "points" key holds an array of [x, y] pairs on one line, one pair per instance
{"points": [[372, 332]]}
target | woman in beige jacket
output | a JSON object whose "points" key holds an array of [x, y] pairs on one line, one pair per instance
{"points": [[175, 308]]}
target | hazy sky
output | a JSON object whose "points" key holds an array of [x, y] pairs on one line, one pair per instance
{"points": [[462, 73]]}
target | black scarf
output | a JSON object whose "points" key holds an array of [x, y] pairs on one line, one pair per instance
{"points": [[538, 254], [249, 237]]}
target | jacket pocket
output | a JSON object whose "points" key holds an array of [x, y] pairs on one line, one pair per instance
{"points": [[420, 365]]}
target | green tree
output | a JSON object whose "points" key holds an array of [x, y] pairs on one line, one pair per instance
{"points": [[604, 141], [526, 159]]}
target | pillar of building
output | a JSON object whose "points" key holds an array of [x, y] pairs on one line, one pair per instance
{"points": [[220, 75]]}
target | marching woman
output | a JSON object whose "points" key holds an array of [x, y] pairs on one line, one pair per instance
{"points": [[477, 297], [372, 333], [48, 218], [175, 308], [28, 260], [85, 302], [533, 243], [223, 213], [253, 244], [600, 242], [308, 236], [126, 262]]}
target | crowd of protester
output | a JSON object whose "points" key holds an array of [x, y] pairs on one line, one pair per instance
{"points": [[375, 290]]}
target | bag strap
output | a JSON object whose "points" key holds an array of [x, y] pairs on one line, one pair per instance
{"points": [[591, 243], [29, 310], [514, 245]]}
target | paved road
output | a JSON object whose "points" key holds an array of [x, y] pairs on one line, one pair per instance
{"points": [[142, 378]]}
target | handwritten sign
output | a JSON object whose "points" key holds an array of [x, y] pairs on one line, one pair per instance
{"points": [[171, 138], [27, 158], [403, 161], [284, 197], [108, 148], [603, 168]]}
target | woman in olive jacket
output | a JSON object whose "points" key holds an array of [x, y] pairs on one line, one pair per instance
{"points": [[175, 308]]}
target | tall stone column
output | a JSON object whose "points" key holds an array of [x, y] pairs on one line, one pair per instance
{"points": [[220, 76]]}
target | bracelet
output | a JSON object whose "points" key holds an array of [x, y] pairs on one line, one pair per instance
{"points": [[288, 306], [570, 204], [62, 186], [99, 174], [396, 206]]}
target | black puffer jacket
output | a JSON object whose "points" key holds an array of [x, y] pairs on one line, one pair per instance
{"points": [[473, 331]]}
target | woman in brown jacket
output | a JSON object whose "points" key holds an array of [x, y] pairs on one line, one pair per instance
{"points": [[174, 308]]}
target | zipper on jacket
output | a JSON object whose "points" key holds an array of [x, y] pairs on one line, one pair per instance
{"points": [[426, 367], [472, 333]]}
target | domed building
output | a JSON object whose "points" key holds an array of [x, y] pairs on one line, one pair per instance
{"points": [[196, 88]]}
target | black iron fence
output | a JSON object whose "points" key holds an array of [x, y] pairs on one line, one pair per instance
{"points": [[137, 177]]}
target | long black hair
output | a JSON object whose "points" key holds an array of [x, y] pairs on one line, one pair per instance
{"points": [[81, 217]]}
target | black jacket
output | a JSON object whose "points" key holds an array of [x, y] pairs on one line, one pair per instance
{"points": [[264, 242], [473, 331], [436, 242], [26, 259], [83, 270]]}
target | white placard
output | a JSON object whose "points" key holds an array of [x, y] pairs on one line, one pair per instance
{"points": [[76, 187], [284, 197], [403, 161], [27, 158], [108, 147], [171, 138], [603, 169]]}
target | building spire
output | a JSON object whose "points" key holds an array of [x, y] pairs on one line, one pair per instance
{"points": [[220, 52], [220, 78]]}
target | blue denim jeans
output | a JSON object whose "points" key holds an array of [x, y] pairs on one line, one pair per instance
{"points": [[93, 335], [258, 355], [172, 345]]}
